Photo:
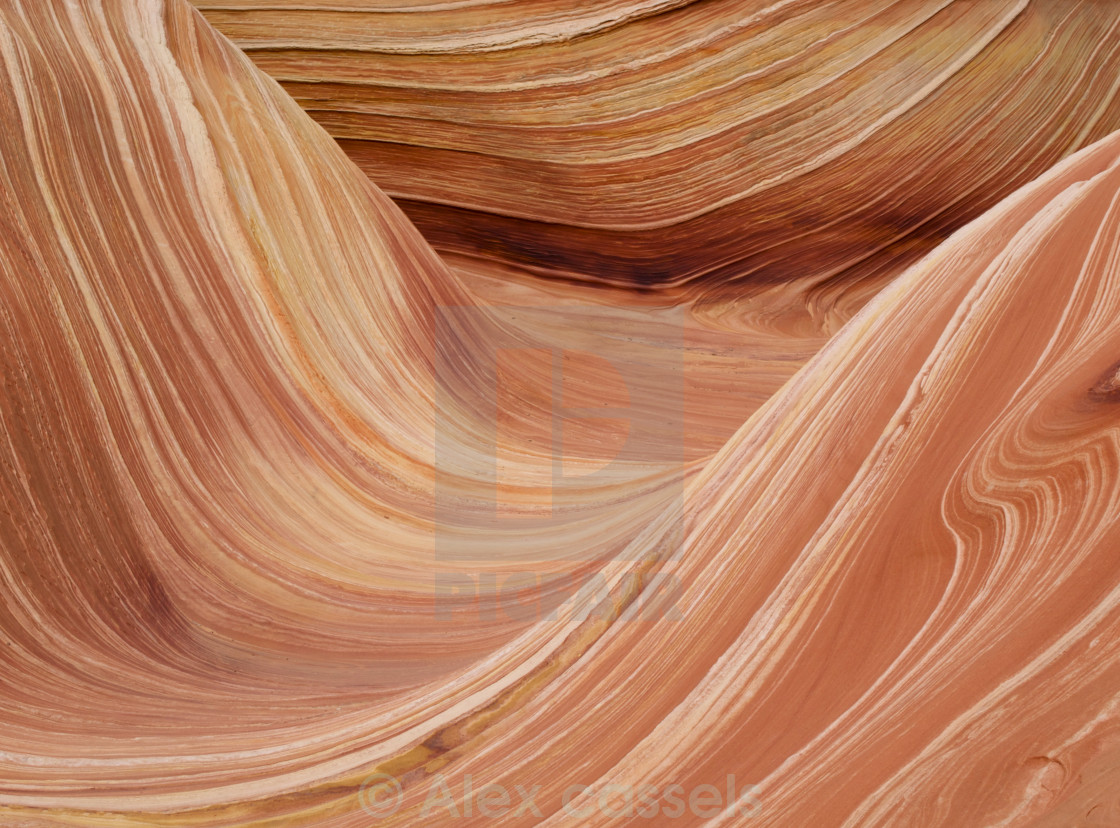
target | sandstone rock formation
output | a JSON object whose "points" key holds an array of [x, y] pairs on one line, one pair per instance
{"points": [[664, 143], [305, 523]]}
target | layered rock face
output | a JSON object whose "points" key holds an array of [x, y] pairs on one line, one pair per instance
{"points": [[314, 516], [665, 144]]}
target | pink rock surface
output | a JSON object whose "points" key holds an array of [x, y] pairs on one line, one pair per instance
{"points": [[304, 523]]}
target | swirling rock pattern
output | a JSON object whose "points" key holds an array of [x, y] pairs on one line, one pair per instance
{"points": [[852, 549], [670, 144]]}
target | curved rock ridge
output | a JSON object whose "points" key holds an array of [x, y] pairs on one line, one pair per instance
{"points": [[230, 365], [668, 144], [302, 524]]}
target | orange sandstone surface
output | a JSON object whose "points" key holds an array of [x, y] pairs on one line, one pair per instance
{"points": [[722, 427], [678, 145]]}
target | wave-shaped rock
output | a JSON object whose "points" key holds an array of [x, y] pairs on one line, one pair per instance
{"points": [[303, 524], [663, 143]]}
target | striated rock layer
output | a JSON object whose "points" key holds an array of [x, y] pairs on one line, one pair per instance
{"points": [[665, 143], [282, 515]]}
